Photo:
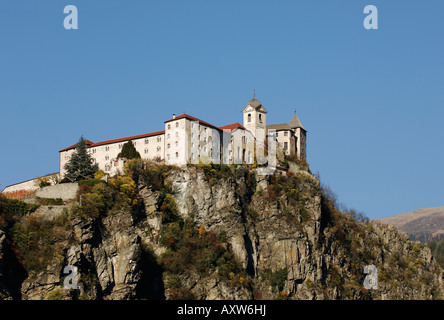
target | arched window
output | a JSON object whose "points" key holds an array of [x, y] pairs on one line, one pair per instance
{"points": [[249, 117], [260, 118]]}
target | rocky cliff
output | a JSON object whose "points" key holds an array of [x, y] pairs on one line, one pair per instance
{"points": [[208, 232]]}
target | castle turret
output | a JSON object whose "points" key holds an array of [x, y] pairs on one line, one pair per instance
{"points": [[301, 136]]}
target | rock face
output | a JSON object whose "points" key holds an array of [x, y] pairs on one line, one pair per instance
{"points": [[290, 242]]}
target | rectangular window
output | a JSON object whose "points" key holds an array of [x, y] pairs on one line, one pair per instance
{"points": [[286, 134], [286, 145], [146, 141]]}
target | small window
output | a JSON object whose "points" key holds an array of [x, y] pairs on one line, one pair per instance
{"points": [[249, 117], [169, 136], [177, 134], [169, 127], [168, 145], [260, 118], [177, 124], [106, 157], [120, 146], [146, 141], [106, 148], [177, 144], [285, 133], [277, 134], [158, 148], [177, 155], [286, 145], [146, 151]]}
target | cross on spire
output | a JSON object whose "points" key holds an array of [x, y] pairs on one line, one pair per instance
{"points": [[254, 93]]}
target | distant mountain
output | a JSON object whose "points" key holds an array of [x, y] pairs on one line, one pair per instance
{"points": [[422, 224]]}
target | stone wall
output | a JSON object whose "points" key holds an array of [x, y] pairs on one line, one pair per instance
{"points": [[65, 191], [30, 185]]}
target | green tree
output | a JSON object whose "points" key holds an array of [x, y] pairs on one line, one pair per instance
{"points": [[81, 165], [128, 151]]}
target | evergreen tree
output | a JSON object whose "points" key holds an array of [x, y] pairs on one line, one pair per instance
{"points": [[128, 151], [81, 165]]}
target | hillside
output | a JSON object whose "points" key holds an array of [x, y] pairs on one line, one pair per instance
{"points": [[422, 224], [206, 232]]}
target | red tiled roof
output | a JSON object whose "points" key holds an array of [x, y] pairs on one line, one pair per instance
{"points": [[184, 115], [232, 127], [88, 143], [101, 143], [91, 144]]}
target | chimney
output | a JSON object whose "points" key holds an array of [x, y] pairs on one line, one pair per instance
{"points": [[174, 116]]}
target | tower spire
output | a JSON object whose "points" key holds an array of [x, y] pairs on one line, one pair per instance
{"points": [[254, 93]]}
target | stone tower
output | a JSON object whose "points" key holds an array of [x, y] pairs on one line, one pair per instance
{"points": [[255, 116], [301, 136]]}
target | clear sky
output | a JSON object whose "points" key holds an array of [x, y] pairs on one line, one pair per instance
{"points": [[371, 100]]}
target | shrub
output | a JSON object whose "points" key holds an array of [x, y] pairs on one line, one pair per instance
{"points": [[49, 201], [33, 241], [42, 182], [154, 175], [90, 182], [168, 208], [129, 151], [193, 248], [278, 278], [16, 208]]}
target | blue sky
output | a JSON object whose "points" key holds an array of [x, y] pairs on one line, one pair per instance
{"points": [[371, 100]]}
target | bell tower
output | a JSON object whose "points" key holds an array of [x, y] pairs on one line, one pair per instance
{"points": [[254, 116]]}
